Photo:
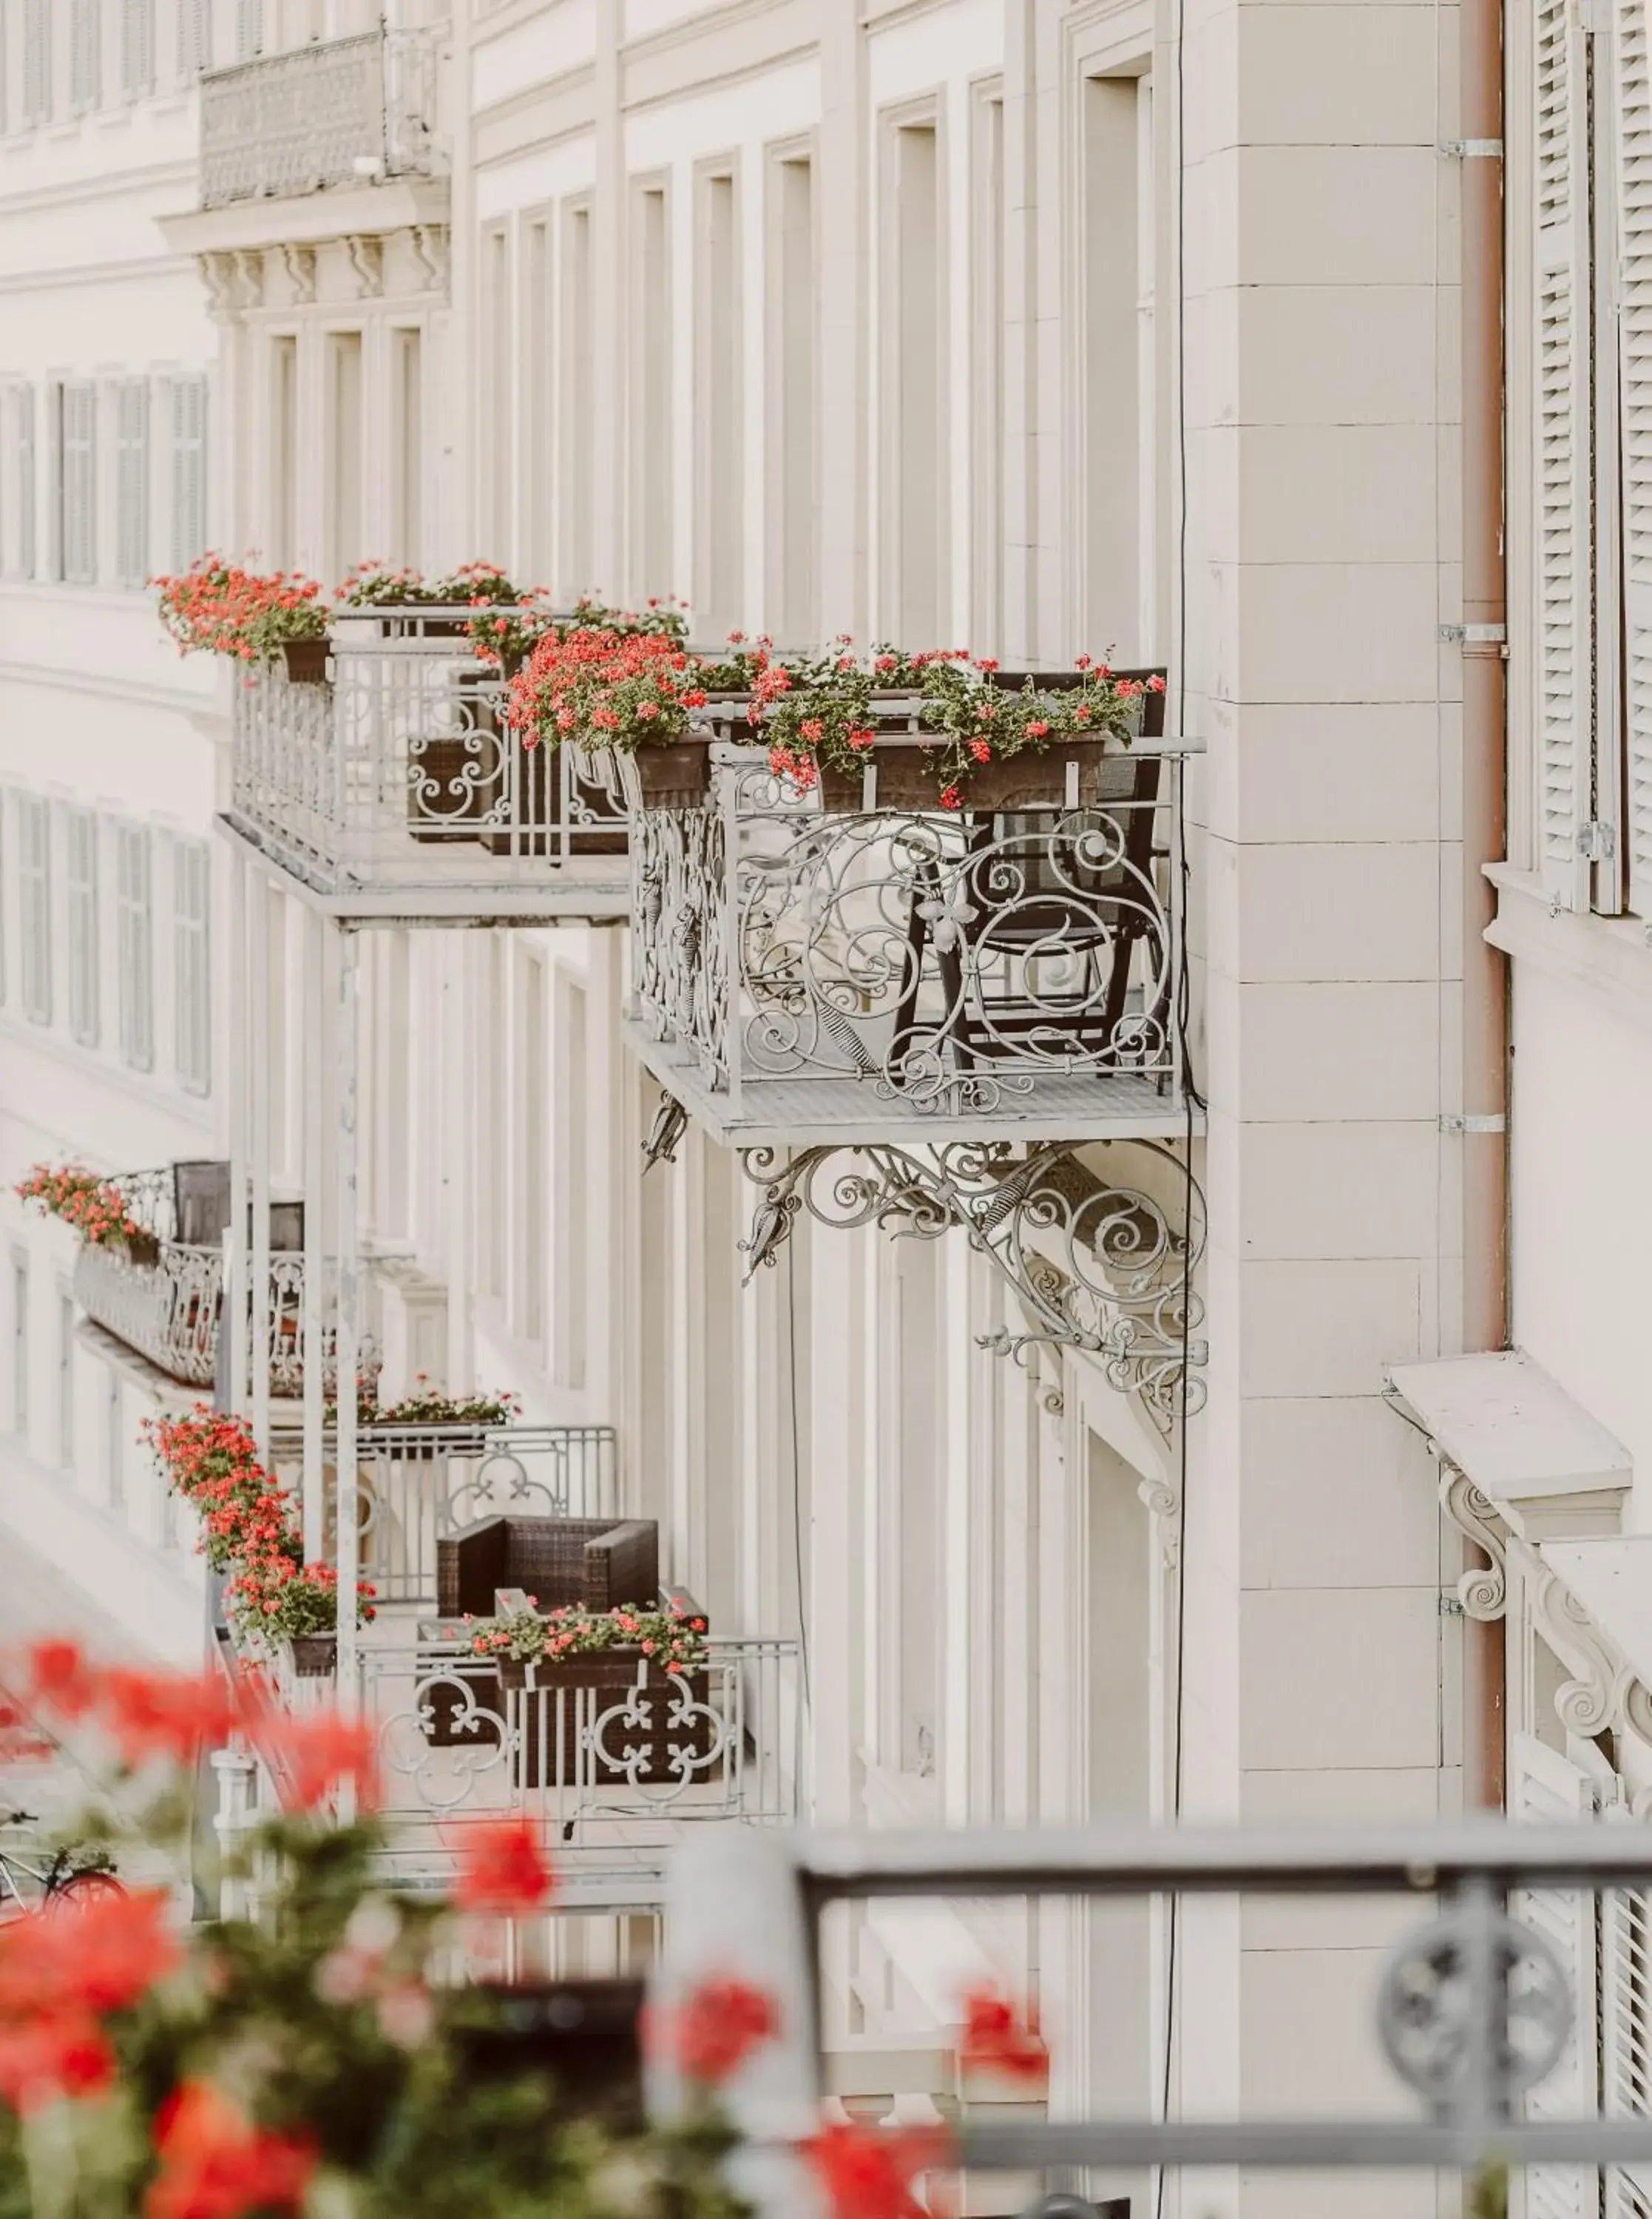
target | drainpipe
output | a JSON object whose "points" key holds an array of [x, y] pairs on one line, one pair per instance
{"points": [[1486, 1304]]}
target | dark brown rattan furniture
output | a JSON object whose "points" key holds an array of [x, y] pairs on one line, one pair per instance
{"points": [[594, 1561]]}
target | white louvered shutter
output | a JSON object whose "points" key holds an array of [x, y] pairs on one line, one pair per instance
{"points": [[25, 490], [77, 483], [1626, 2030], [132, 481], [194, 40], [1564, 548], [1632, 117], [86, 53], [249, 29], [37, 61], [1545, 1788], [188, 430], [137, 46]]}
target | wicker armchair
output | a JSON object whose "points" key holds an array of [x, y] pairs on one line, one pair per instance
{"points": [[560, 1560]]}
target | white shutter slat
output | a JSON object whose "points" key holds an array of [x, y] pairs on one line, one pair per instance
{"points": [[188, 444], [1562, 508], [1545, 1788], [26, 489], [137, 47], [1632, 133]]}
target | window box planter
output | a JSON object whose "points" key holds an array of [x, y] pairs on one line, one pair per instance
{"points": [[559, 1699], [315, 1656], [306, 661], [674, 777]]}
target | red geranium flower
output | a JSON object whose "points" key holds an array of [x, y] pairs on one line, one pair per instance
{"points": [[866, 2172], [712, 2033], [318, 1753], [58, 1676], [215, 2164], [503, 1869], [108, 1953], [49, 2056], [994, 2034]]}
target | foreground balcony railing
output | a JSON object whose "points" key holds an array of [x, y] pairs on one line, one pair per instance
{"points": [[810, 969], [393, 785], [334, 113], [170, 1309]]}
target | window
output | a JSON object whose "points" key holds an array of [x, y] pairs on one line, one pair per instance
{"points": [[37, 61], [114, 1443], [652, 449], [76, 482], [65, 1376], [188, 470], [538, 556], [249, 29], [344, 452], [496, 388], [131, 481], [83, 926], [194, 39], [793, 504], [987, 208], [1116, 486], [25, 480], [577, 450], [533, 1096], [134, 943], [718, 444], [137, 46], [85, 55], [35, 905], [912, 407], [19, 1341], [283, 450], [192, 954]]}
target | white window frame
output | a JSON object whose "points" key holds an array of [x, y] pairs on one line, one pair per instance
{"points": [[192, 965], [134, 939], [131, 481], [80, 877], [35, 905]]}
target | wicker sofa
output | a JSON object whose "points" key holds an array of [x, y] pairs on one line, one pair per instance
{"points": [[593, 1561]]}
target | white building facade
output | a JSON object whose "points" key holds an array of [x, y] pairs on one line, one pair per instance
{"points": [[1160, 331]]}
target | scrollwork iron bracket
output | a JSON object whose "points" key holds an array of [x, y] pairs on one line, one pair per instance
{"points": [[1103, 1268]]}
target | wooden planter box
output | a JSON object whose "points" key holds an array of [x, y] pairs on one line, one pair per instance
{"points": [[674, 777], [608, 1675], [306, 661], [315, 1656], [908, 778]]}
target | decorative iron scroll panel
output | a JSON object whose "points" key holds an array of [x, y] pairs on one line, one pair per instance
{"points": [[1105, 1268], [300, 121], [947, 963]]}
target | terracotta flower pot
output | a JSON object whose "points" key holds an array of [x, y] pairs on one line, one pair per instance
{"points": [[306, 661]]}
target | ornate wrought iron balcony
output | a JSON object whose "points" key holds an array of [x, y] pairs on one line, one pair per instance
{"points": [[171, 1310], [833, 971], [392, 784], [336, 113]]}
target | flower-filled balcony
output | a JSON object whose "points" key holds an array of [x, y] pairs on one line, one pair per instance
{"points": [[151, 1270], [917, 932], [376, 764], [336, 112]]}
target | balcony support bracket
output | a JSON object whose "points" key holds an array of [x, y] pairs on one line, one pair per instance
{"points": [[1101, 1267]]}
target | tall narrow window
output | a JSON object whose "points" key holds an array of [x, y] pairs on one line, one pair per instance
{"points": [[408, 519], [194, 39], [25, 490], [86, 53], [77, 481], [574, 559], [37, 62], [496, 385], [539, 403], [81, 825], [651, 442], [189, 533], [192, 961], [719, 587], [137, 47], [570, 1157], [344, 452], [134, 942], [132, 481], [1111, 475], [986, 567], [793, 506], [532, 1093], [19, 1341], [35, 905], [283, 450], [66, 1377], [913, 406], [249, 29]]}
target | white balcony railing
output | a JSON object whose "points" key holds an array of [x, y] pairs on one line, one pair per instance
{"points": [[803, 973], [395, 785], [171, 1310], [338, 112]]}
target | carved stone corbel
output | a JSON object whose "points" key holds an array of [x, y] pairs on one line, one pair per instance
{"points": [[1585, 1705], [218, 274], [300, 262], [431, 246], [366, 253], [249, 277], [1483, 1592]]}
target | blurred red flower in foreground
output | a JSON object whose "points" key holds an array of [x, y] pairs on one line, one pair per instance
{"points": [[713, 2031], [165, 1714], [866, 2171], [59, 1678], [502, 1868], [52, 2056], [994, 2034], [313, 1755], [101, 1955], [214, 2164]]}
